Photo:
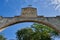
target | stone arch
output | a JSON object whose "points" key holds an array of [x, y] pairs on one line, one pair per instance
{"points": [[42, 22]]}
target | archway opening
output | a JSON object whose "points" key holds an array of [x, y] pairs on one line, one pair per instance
{"points": [[29, 22]]}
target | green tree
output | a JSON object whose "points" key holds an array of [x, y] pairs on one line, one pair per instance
{"points": [[36, 32], [24, 34], [2, 38]]}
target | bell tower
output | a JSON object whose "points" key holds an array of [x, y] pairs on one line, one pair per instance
{"points": [[29, 11]]}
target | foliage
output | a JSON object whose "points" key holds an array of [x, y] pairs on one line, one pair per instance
{"points": [[2, 38], [36, 32]]}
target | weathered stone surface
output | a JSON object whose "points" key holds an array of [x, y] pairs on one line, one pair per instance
{"points": [[30, 16]]}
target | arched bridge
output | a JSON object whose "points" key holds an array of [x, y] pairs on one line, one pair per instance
{"points": [[29, 14]]}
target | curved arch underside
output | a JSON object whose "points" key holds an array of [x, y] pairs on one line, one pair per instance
{"points": [[27, 16], [41, 22]]}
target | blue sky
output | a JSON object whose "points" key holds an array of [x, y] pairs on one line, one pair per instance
{"points": [[11, 8], [10, 32]]}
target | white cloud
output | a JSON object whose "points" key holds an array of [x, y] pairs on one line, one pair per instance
{"points": [[56, 3]]}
